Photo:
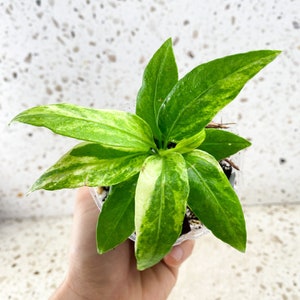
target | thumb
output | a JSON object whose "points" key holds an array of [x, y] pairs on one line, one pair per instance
{"points": [[179, 253]]}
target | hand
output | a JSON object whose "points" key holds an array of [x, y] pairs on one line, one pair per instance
{"points": [[113, 275]]}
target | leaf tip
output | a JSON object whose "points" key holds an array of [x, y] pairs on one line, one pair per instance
{"points": [[168, 40], [242, 244], [28, 193], [277, 52], [14, 120], [99, 251], [31, 190], [242, 248], [141, 266], [36, 186]]}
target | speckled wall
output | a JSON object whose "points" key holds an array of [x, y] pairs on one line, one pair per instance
{"points": [[93, 53]]}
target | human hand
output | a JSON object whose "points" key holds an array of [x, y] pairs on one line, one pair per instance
{"points": [[113, 275]]}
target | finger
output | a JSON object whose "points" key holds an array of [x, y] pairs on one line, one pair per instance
{"points": [[179, 253], [83, 246], [88, 271], [84, 202], [84, 223]]}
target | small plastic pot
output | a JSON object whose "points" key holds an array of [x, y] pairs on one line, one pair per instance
{"points": [[195, 228]]}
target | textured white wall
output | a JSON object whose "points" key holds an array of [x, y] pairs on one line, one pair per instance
{"points": [[93, 53]]}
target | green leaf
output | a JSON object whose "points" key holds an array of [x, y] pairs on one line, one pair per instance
{"points": [[202, 93], [213, 200], [160, 204], [221, 143], [191, 143], [116, 220], [160, 76], [90, 164], [115, 129]]}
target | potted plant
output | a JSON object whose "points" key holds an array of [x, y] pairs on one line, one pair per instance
{"points": [[160, 160]]}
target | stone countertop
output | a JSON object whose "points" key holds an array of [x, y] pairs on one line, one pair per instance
{"points": [[33, 259]]}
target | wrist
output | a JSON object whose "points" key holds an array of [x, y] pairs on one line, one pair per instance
{"points": [[65, 292]]}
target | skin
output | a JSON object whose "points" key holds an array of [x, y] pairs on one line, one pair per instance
{"points": [[113, 275]]}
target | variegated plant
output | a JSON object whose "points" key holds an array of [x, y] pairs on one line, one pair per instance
{"points": [[159, 160]]}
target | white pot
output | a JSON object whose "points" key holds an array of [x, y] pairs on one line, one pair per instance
{"points": [[197, 228]]}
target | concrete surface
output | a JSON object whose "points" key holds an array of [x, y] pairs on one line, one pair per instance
{"points": [[33, 259]]}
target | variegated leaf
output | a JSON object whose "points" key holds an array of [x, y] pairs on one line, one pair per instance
{"points": [[90, 164], [160, 204], [213, 200], [159, 77], [111, 128], [203, 92]]}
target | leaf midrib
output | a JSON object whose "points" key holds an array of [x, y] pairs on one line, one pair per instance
{"points": [[155, 111], [162, 194], [96, 161]]}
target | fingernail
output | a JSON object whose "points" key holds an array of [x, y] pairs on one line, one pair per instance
{"points": [[177, 253]]}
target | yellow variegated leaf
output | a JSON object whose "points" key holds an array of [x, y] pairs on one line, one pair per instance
{"points": [[111, 128], [90, 164], [160, 204]]}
